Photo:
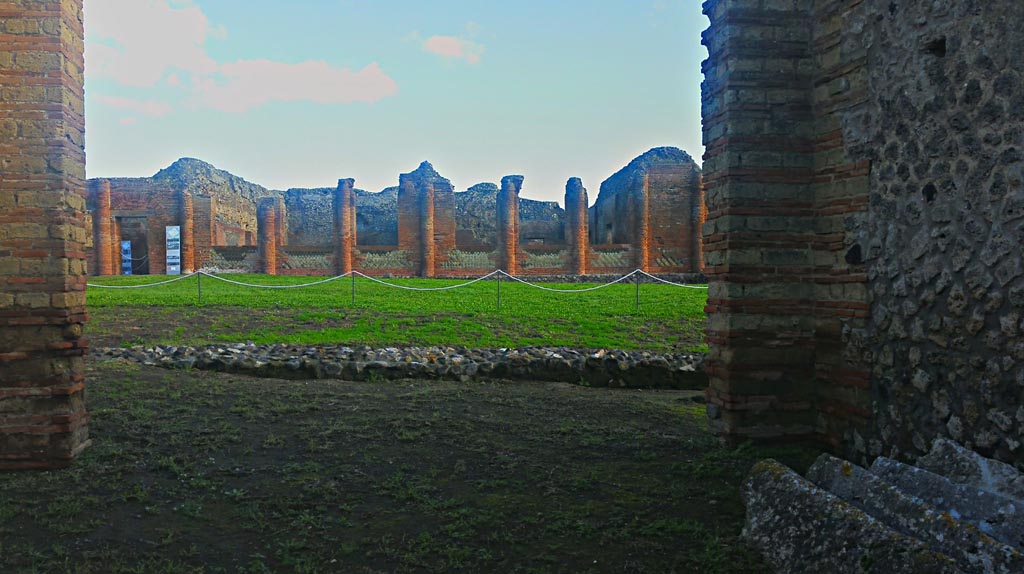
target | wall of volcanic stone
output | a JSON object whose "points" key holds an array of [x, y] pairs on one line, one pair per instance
{"points": [[864, 176], [943, 234]]}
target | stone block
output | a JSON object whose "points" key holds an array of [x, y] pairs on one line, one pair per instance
{"points": [[996, 515], [972, 549], [801, 528], [949, 459]]}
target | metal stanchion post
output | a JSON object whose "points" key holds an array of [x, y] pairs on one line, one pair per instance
{"points": [[637, 280], [199, 287], [499, 291], [353, 275]]}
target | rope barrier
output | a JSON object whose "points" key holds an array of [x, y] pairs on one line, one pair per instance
{"points": [[553, 290], [182, 278], [448, 288], [354, 274], [667, 282], [239, 283]]}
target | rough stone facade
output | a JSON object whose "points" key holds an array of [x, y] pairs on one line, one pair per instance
{"points": [[655, 205], [864, 188], [43, 234], [390, 226]]}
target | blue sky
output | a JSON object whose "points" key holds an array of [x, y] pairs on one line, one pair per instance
{"points": [[304, 92]]}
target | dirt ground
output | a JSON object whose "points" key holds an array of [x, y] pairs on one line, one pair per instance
{"points": [[206, 472]]}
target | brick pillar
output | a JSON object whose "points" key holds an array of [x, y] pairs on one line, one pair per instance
{"points": [[429, 248], [344, 224], [281, 219], [576, 225], [188, 242], [698, 232], [756, 97], [115, 235], [103, 232], [642, 225], [266, 224], [43, 420], [508, 222]]}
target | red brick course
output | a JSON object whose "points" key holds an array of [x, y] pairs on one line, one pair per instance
{"points": [[43, 234]]}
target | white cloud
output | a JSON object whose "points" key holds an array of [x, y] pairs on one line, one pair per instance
{"points": [[139, 43], [150, 108], [135, 42], [128, 121], [247, 84], [452, 48]]}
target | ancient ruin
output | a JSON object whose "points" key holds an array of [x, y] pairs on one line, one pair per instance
{"points": [[864, 194], [422, 227], [864, 187]]}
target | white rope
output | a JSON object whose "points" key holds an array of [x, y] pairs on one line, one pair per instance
{"points": [[667, 282], [498, 272], [183, 277], [233, 282], [448, 288], [584, 290]]}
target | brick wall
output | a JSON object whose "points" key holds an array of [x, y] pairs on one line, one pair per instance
{"points": [[43, 420], [865, 186], [655, 204]]}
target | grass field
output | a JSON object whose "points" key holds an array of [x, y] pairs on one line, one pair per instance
{"points": [[668, 318], [196, 472]]}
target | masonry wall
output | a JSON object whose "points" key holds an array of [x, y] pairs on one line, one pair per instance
{"points": [[43, 233], [864, 180]]}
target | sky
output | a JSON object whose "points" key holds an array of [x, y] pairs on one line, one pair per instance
{"points": [[301, 93]]}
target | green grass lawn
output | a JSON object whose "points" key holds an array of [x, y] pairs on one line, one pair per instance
{"points": [[668, 318]]}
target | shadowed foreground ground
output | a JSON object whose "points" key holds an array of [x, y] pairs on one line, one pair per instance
{"points": [[205, 472]]}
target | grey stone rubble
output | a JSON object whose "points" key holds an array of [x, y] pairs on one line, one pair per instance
{"points": [[593, 367], [892, 518]]}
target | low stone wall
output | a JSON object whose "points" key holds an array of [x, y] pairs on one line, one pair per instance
{"points": [[599, 368]]}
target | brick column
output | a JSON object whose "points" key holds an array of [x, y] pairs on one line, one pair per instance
{"points": [[344, 224], [576, 225], [757, 129], [266, 224], [115, 234], [188, 242], [43, 420], [429, 248], [104, 243], [281, 219], [642, 225], [508, 222]]}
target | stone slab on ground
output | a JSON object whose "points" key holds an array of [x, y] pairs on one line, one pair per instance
{"points": [[801, 528], [959, 464], [972, 549], [998, 516]]}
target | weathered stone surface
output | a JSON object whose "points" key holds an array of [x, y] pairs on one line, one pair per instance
{"points": [[800, 528], [998, 516], [900, 509], [605, 368], [655, 204], [949, 459]]}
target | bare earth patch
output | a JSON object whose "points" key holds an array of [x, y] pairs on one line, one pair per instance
{"points": [[206, 472]]}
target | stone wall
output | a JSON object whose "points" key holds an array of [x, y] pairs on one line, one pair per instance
{"points": [[654, 203], [864, 189], [464, 225]]}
